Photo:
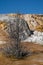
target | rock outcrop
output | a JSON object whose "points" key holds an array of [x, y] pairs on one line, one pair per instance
{"points": [[37, 38], [16, 25], [33, 20], [27, 24]]}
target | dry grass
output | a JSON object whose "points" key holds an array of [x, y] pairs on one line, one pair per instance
{"points": [[39, 28], [30, 60]]}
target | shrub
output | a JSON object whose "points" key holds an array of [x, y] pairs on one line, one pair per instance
{"points": [[13, 48]]}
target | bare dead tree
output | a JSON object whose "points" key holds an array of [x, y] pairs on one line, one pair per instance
{"points": [[15, 48]]}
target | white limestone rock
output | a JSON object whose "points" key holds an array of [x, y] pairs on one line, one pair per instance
{"points": [[36, 37]]}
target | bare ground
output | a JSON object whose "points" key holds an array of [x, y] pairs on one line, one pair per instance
{"points": [[35, 59]]}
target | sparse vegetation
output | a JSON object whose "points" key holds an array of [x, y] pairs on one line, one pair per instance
{"points": [[32, 53], [14, 47]]}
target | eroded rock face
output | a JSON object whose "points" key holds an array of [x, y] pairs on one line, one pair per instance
{"points": [[33, 20], [17, 25], [26, 23], [20, 26], [37, 38]]}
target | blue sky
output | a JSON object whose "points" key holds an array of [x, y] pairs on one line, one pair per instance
{"points": [[21, 6]]}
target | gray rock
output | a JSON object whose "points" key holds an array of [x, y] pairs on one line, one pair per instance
{"points": [[18, 24]]}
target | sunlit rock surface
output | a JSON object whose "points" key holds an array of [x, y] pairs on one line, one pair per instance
{"points": [[35, 23], [36, 37]]}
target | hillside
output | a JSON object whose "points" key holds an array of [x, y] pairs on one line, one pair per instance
{"points": [[30, 30], [34, 21], [28, 23]]}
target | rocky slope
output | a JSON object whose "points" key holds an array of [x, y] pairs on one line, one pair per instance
{"points": [[34, 21], [31, 22]]}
